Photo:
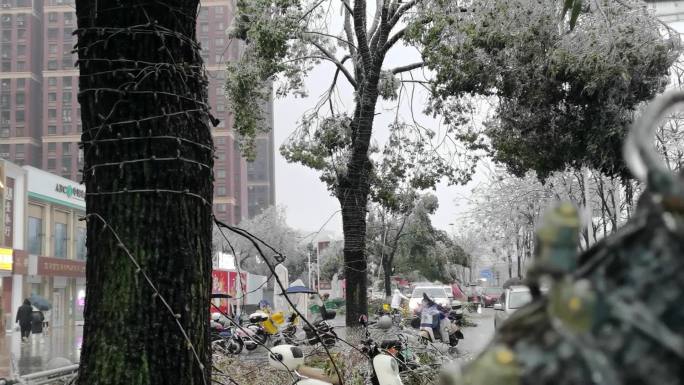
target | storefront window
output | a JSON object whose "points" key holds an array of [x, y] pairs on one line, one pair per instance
{"points": [[60, 240], [80, 243], [35, 235]]}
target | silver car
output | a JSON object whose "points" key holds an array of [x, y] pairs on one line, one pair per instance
{"points": [[511, 300]]}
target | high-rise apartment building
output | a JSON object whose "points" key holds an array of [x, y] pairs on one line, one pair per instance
{"points": [[40, 118]]}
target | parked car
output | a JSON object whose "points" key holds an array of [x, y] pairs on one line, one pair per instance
{"points": [[509, 302], [436, 293], [491, 295]]}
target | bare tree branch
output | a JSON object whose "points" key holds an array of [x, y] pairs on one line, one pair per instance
{"points": [[345, 3], [408, 67], [376, 18], [339, 65], [380, 37], [359, 17], [349, 43], [401, 11], [394, 39], [350, 33]]}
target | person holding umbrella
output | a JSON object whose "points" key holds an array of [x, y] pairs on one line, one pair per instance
{"points": [[42, 305], [24, 318]]}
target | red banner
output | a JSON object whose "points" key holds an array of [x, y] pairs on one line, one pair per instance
{"points": [[224, 282], [20, 265], [61, 267]]}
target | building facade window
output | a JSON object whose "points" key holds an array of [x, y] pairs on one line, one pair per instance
{"points": [[60, 240], [35, 235], [81, 243]]}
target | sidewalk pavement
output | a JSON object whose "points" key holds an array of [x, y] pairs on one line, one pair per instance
{"points": [[20, 358]]}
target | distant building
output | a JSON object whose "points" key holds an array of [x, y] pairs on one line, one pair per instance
{"points": [[40, 118]]}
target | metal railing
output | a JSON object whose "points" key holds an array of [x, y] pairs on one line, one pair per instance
{"points": [[63, 375]]}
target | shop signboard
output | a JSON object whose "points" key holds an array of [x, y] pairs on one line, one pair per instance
{"points": [[9, 211], [6, 259], [21, 262], [52, 188], [59, 267]]}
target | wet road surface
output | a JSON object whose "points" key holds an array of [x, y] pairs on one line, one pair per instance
{"points": [[20, 358]]}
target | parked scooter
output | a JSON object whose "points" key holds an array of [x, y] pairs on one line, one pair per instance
{"points": [[291, 358], [254, 334], [223, 337], [323, 331], [386, 358]]}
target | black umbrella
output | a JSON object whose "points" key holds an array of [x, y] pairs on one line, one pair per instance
{"points": [[40, 302]]}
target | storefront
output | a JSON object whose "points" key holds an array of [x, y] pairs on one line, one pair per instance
{"points": [[13, 209], [53, 265]]}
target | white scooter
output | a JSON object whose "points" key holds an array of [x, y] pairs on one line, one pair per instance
{"points": [[291, 358]]}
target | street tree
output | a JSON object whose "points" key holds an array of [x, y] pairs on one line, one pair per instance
{"points": [[332, 260], [386, 224], [148, 160], [425, 250], [270, 226], [284, 40], [564, 98]]}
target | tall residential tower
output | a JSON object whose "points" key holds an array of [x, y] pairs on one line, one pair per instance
{"points": [[40, 122]]}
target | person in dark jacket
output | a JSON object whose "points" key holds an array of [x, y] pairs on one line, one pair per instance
{"points": [[24, 317]]}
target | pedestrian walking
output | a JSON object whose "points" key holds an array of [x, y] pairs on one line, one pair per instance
{"points": [[24, 318], [396, 299]]}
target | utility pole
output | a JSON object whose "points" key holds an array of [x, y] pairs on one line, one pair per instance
{"points": [[318, 269], [308, 265]]}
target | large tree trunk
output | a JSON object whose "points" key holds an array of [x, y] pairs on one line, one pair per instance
{"points": [[352, 193], [355, 264], [148, 173]]}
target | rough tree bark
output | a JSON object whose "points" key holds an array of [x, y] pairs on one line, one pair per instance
{"points": [[148, 173], [354, 188], [353, 193]]}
